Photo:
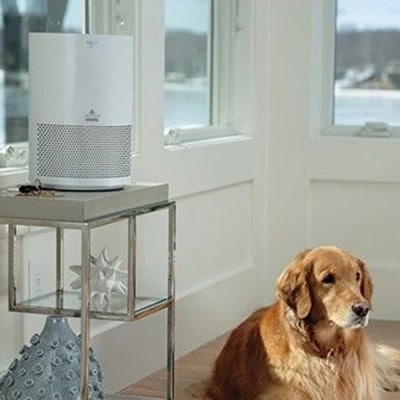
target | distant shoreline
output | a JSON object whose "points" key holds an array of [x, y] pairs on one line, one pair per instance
{"points": [[185, 87], [375, 93]]}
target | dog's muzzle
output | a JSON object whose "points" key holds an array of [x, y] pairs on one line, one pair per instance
{"points": [[360, 313]]}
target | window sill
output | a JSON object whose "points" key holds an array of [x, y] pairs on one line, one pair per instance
{"points": [[204, 142], [194, 135], [370, 130], [11, 176]]}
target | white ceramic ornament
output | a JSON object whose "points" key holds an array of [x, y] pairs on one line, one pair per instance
{"points": [[107, 278]]}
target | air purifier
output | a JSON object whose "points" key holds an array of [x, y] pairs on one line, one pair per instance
{"points": [[80, 110]]}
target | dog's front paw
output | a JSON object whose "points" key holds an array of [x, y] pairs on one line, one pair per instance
{"points": [[388, 368]]}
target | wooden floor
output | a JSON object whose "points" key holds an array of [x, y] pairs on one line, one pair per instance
{"points": [[194, 368], [190, 372]]}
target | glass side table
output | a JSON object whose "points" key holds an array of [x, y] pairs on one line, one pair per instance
{"points": [[84, 211]]}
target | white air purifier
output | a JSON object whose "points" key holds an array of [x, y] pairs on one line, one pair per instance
{"points": [[80, 110]]}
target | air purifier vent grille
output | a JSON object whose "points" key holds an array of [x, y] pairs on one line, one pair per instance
{"points": [[67, 151]]}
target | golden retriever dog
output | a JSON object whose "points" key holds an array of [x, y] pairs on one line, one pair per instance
{"points": [[310, 344]]}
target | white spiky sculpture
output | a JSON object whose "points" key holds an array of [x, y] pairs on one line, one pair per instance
{"points": [[107, 278]]}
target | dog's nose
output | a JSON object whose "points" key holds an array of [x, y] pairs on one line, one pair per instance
{"points": [[360, 309]]}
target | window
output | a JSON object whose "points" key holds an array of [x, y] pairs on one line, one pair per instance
{"points": [[203, 39], [17, 19], [187, 59], [367, 66]]}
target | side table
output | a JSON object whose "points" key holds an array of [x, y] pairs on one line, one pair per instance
{"points": [[84, 211]]}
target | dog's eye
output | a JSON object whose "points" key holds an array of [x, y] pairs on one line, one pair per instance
{"points": [[328, 279], [358, 276]]}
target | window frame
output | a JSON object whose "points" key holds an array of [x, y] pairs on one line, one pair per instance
{"points": [[324, 63], [230, 32]]}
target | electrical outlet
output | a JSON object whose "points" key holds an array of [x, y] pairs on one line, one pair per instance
{"points": [[35, 277]]}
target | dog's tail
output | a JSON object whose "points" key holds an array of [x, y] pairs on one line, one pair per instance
{"points": [[387, 364]]}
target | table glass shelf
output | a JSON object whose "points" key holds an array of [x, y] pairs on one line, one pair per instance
{"points": [[70, 303]]}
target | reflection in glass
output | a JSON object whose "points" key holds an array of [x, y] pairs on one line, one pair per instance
{"points": [[17, 19], [187, 77], [367, 64]]}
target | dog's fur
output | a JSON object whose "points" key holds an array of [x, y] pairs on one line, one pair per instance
{"points": [[310, 344]]}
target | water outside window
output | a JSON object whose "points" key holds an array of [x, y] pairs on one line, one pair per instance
{"points": [[187, 80], [17, 18], [367, 66]]}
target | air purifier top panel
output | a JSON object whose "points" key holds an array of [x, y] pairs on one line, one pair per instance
{"points": [[81, 79]]}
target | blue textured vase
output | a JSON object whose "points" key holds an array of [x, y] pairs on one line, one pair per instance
{"points": [[49, 368]]}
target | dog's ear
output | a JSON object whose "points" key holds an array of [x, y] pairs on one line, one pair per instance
{"points": [[293, 287], [366, 282]]}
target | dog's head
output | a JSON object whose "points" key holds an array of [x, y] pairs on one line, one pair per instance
{"points": [[327, 283]]}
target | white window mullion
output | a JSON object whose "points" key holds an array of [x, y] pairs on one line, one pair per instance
{"points": [[243, 53], [322, 71], [222, 86], [111, 17], [149, 91], [329, 16]]}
